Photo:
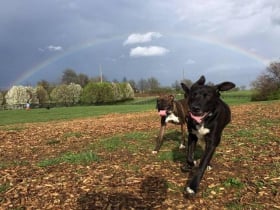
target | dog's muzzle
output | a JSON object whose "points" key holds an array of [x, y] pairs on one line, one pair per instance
{"points": [[199, 118], [162, 113]]}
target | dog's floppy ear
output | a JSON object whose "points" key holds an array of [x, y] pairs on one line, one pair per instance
{"points": [[224, 86], [200, 81]]}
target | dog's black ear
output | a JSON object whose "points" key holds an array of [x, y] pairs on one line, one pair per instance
{"points": [[224, 86], [185, 88], [200, 81]]}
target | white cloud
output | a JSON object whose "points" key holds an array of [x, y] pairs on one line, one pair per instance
{"points": [[54, 48], [228, 19], [141, 38], [148, 51]]}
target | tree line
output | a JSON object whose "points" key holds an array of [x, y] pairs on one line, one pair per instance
{"points": [[76, 88], [265, 87], [71, 94], [143, 85], [267, 84], [80, 89]]}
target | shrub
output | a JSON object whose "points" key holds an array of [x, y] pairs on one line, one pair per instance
{"points": [[104, 93], [42, 95], [66, 94]]}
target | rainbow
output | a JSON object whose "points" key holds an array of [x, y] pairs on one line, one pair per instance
{"points": [[60, 55], [88, 44], [226, 45]]}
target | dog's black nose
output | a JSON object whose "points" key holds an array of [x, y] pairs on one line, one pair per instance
{"points": [[195, 109]]}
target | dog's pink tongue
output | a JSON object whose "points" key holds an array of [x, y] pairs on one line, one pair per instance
{"points": [[198, 119], [162, 112]]}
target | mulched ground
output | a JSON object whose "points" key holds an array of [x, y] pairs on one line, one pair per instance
{"points": [[246, 173]]}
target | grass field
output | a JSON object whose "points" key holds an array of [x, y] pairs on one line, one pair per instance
{"points": [[64, 113], [99, 157]]}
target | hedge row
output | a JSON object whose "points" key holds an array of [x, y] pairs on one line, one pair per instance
{"points": [[100, 93]]}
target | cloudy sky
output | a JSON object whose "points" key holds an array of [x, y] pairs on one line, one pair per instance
{"points": [[169, 40]]}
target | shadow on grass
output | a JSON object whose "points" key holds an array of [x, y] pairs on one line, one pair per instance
{"points": [[176, 154], [153, 192], [179, 155], [172, 136]]}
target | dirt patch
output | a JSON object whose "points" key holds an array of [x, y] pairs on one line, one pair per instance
{"points": [[246, 172]]}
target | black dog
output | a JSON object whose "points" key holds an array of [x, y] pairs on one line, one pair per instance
{"points": [[174, 112], [207, 118]]}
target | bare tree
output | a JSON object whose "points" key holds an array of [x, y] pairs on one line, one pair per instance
{"points": [[142, 85], [69, 76], [153, 84], [82, 79], [274, 72], [267, 84], [46, 85]]}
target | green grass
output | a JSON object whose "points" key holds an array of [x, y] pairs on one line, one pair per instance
{"points": [[233, 182], [113, 144], [4, 187], [128, 142], [66, 113], [9, 117], [237, 97]]}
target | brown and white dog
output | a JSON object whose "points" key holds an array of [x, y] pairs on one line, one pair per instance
{"points": [[171, 111]]}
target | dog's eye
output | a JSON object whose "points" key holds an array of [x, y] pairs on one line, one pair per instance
{"points": [[194, 95]]}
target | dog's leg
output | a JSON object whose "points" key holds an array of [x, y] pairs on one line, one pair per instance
{"points": [[183, 141], [159, 140], [209, 166], [192, 140], [193, 185]]}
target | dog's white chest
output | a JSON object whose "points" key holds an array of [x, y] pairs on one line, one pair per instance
{"points": [[172, 118], [200, 131]]}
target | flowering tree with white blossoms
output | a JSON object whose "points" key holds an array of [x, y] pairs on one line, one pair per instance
{"points": [[66, 94], [106, 92], [74, 91], [128, 91], [20, 95], [1, 98]]}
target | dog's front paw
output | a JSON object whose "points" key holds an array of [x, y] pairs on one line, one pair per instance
{"points": [[209, 168], [182, 146], [188, 192]]}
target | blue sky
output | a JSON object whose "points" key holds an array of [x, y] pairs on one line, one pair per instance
{"points": [[169, 40]]}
